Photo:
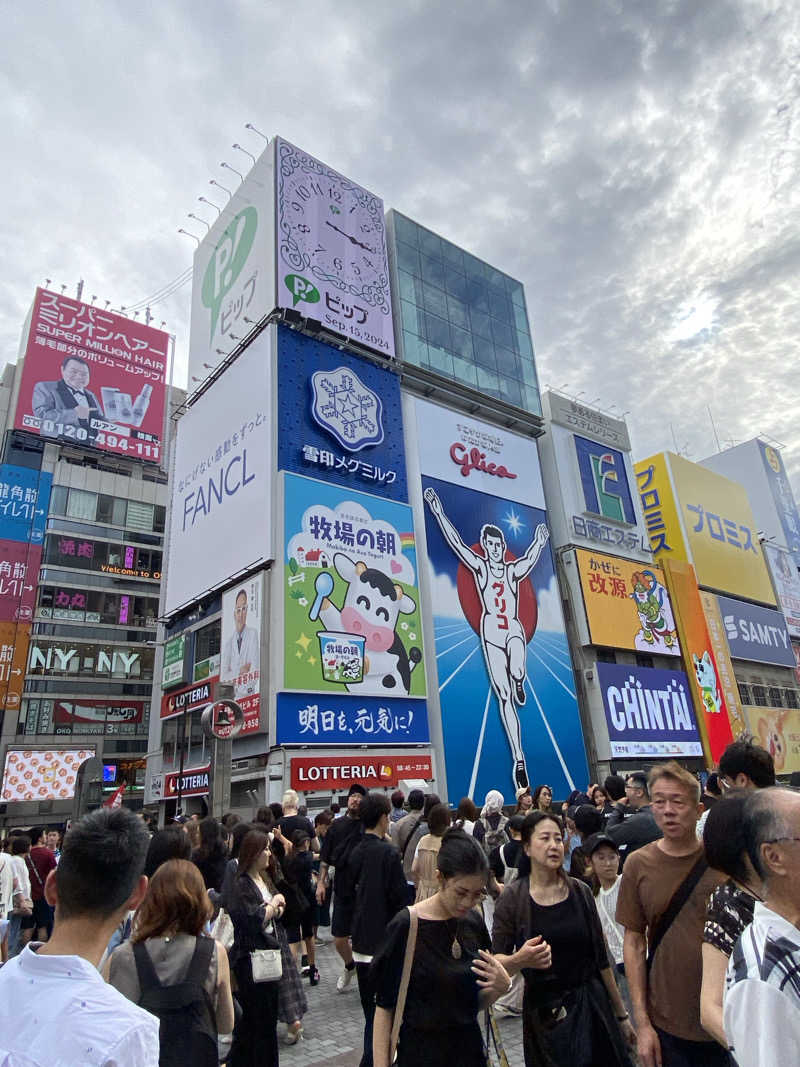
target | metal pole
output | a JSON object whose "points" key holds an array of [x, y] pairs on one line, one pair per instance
{"points": [[186, 715]]}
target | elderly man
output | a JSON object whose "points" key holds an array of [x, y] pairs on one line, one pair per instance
{"points": [[761, 1013], [69, 401]]}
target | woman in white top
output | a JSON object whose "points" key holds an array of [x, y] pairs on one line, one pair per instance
{"points": [[20, 848]]}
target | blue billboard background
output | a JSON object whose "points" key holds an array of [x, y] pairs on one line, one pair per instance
{"points": [[477, 753], [356, 439], [340, 719], [24, 502], [649, 711]]}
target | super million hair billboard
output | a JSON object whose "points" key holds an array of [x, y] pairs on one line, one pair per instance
{"points": [[220, 522]]}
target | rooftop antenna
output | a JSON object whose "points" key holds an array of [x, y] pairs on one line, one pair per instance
{"points": [[713, 427]]}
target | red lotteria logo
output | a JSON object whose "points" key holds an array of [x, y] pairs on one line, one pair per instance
{"points": [[474, 460]]}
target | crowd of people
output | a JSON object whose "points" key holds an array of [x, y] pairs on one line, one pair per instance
{"points": [[644, 920]]}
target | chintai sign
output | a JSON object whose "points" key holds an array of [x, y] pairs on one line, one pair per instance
{"points": [[649, 712]]}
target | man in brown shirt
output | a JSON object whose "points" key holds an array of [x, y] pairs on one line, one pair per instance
{"points": [[666, 1001]]}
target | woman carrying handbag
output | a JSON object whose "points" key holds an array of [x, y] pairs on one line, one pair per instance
{"points": [[434, 973], [253, 907]]}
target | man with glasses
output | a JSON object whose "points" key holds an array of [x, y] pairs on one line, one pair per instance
{"points": [[761, 1012], [662, 905], [241, 653], [639, 827]]}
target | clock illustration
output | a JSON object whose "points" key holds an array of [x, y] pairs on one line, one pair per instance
{"points": [[332, 246]]}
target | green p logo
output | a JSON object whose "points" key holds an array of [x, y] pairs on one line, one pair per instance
{"points": [[301, 289], [227, 262]]}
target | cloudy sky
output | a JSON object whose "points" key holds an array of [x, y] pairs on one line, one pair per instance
{"points": [[634, 163]]}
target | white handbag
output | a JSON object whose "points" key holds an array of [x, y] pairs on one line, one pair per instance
{"points": [[266, 963]]}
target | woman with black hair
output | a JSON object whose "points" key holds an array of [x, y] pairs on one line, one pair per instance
{"points": [[730, 906], [212, 855], [546, 925], [452, 976]]}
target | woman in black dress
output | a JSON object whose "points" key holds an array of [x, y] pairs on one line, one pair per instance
{"points": [[546, 926], [453, 975]]}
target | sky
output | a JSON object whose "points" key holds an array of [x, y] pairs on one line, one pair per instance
{"points": [[633, 163]]}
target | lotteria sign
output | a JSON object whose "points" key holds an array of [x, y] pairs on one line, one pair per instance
{"points": [[648, 711], [194, 696], [309, 773], [194, 783], [464, 451]]}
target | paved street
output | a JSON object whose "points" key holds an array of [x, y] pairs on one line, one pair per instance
{"points": [[333, 1027]]}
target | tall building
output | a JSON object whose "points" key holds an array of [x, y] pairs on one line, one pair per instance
{"points": [[79, 631]]}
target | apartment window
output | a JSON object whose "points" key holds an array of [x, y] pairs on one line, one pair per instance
{"points": [[82, 505], [606, 655], [140, 516]]}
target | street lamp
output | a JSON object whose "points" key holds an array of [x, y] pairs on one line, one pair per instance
{"points": [[239, 147], [250, 126], [210, 203], [213, 181], [227, 166], [187, 234], [198, 219]]}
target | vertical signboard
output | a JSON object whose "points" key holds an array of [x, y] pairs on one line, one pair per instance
{"points": [[240, 658], [709, 697], [332, 258], [93, 378], [506, 688], [233, 279], [783, 496], [722, 658], [222, 487], [340, 417], [352, 615], [175, 669], [14, 641], [786, 580]]}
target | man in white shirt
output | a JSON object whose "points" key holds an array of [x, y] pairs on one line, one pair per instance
{"points": [[55, 1009], [241, 652], [761, 1010]]}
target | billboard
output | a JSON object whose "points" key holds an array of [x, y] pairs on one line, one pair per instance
{"points": [[193, 696], [340, 719], [233, 278], [778, 731], [194, 783], [340, 417], [333, 263], [711, 708], [351, 596], [176, 667], [223, 479], [93, 378], [14, 640], [309, 773], [42, 774], [715, 628], [698, 516], [627, 604], [240, 657], [756, 634], [19, 577], [786, 580], [783, 497], [107, 716], [24, 503], [506, 688], [648, 711]]}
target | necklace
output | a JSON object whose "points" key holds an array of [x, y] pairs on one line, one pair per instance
{"points": [[455, 948]]}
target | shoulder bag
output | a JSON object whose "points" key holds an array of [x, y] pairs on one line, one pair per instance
{"points": [[400, 1006], [679, 898], [266, 963]]}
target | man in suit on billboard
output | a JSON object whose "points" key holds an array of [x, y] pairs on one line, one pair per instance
{"points": [[67, 401]]}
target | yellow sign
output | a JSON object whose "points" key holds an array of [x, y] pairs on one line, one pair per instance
{"points": [[719, 646], [778, 731], [627, 604], [705, 519]]}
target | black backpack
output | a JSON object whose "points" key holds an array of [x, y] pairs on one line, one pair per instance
{"points": [[188, 1033]]}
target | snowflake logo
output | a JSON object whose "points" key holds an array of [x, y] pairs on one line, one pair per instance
{"points": [[350, 412]]}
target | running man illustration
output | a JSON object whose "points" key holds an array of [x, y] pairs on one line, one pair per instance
{"points": [[501, 633]]}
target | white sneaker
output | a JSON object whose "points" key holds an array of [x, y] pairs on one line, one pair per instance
{"points": [[345, 978]]}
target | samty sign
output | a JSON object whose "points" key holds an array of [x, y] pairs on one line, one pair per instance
{"points": [[223, 479], [755, 633]]}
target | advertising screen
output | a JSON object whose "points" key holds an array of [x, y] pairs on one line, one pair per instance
{"points": [[42, 774], [333, 263], [93, 378], [627, 604], [352, 615], [649, 712], [240, 658], [223, 480]]}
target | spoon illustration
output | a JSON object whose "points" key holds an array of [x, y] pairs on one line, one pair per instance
{"points": [[324, 587]]}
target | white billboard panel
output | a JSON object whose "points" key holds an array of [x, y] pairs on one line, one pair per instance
{"points": [[333, 263], [234, 271], [42, 774], [221, 519], [786, 580], [240, 658]]}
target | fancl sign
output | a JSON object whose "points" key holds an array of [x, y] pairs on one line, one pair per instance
{"points": [[649, 712]]}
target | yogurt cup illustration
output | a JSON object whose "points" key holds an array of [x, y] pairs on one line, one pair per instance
{"points": [[342, 657]]}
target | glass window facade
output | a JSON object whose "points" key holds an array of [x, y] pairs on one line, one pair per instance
{"points": [[460, 317]]}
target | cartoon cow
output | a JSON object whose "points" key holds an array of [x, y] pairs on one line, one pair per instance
{"points": [[707, 680], [370, 610]]}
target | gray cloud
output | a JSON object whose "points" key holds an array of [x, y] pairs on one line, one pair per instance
{"points": [[634, 164]]}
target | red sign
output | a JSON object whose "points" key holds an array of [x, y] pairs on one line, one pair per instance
{"points": [[194, 783], [116, 712], [93, 378], [309, 773], [472, 459], [193, 696], [19, 575]]}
